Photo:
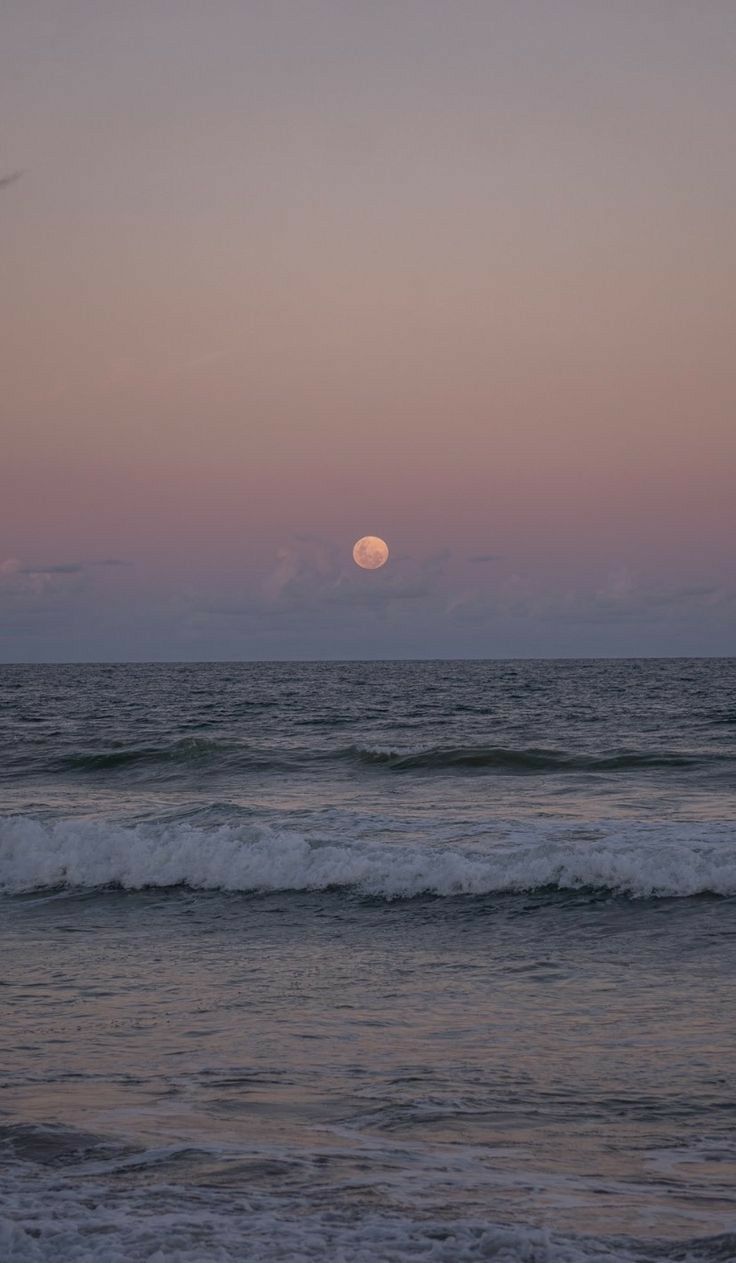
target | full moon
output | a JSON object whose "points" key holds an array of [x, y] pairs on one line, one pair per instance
{"points": [[370, 552]]}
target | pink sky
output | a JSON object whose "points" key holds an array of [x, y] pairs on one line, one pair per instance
{"points": [[279, 275]]}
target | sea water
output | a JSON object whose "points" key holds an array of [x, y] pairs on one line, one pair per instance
{"points": [[368, 961]]}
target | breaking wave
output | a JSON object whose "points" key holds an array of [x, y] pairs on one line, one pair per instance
{"points": [[59, 1222], [217, 756], [638, 860], [177, 1231], [505, 759], [74, 1195]]}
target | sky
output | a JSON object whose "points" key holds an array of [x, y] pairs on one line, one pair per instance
{"points": [[276, 274]]}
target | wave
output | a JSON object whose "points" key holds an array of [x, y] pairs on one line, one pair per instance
{"points": [[187, 750], [70, 1194], [637, 860], [218, 756], [532, 759], [48, 1220]]}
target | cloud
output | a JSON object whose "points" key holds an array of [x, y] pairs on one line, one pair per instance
{"points": [[696, 592], [625, 598], [36, 596], [311, 575], [242, 610], [378, 594], [312, 589], [434, 559], [622, 598], [481, 558], [60, 568], [10, 178], [19, 582], [305, 568], [71, 567], [46, 582]]}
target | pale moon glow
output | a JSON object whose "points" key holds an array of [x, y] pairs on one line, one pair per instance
{"points": [[370, 552]]}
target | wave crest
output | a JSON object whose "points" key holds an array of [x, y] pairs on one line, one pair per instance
{"points": [[641, 861], [531, 759], [217, 756], [188, 749]]}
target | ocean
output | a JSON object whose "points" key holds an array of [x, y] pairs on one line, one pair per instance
{"points": [[368, 961]]}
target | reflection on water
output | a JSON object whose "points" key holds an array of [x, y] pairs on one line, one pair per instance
{"points": [[535, 1059]]}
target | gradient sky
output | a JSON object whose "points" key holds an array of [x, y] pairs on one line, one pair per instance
{"points": [[280, 273]]}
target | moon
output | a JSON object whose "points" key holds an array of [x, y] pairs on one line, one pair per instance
{"points": [[370, 552]]}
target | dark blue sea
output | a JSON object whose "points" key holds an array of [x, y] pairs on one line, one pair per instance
{"points": [[368, 962]]}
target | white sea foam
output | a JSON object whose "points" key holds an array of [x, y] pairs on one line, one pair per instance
{"points": [[55, 1221], [640, 860]]}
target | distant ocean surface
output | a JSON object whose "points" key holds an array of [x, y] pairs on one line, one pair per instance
{"points": [[368, 962]]}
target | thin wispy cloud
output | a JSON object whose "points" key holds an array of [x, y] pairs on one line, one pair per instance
{"points": [[72, 567]]}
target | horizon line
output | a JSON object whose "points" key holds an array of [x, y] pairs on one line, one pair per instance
{"points": [[173, 662]]}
